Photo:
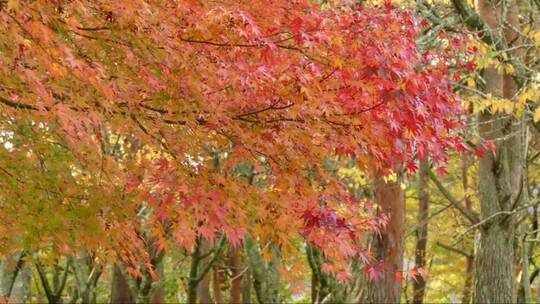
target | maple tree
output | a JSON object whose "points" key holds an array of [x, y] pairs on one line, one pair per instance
{"points": [[231, 110]]}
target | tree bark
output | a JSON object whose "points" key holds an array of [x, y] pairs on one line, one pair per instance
{"points": [[158, 295], [469, 268], [389, 247], [126, 289], [314, 289], [500, 181], [236, 282], [120, 289], [246, 286], [199, 273], [216, 282], [193, 274], [203, 289], [419, 285], [524, 290], [265, 275]]}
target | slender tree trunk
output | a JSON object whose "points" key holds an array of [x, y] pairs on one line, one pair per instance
{"points": [[265, 275], [192, 291], [236, 282], [468, 283], [217, 285], [53, 291], [199, 273], [419, 285], [246, 286], [538, 290], [469, 268], [314, 289], [500, 181], [86, 275], [204, 290], [327, 289], [524, 294], [158, 295], [126, 289], [15, 278], [389, 247]]}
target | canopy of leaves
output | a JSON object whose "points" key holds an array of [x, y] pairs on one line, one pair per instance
{"points": [[238, 100]]}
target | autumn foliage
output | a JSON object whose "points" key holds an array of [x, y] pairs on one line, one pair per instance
{"points": [[225, 113]]}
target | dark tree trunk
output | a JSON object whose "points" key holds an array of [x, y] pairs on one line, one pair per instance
{"points": [[314, 289], [419, 284], [326, 288]]}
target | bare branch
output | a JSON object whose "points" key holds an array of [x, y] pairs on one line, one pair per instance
{"points": [[472, 216]]}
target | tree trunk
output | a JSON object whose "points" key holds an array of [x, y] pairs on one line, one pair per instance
{"points": [[86, 275], [419, 285], [326, 288], [314, 289], [158, 295], [236, 282], [265, 275], [389, 247], [246, 286], [199, 273], [120, 289], [524, 290], [199, 284], [54, 290], [217, 285], [469, 277], [126, 289], [15, 278], [203, 287], [204, 290], [469, 268], [500, 182]]}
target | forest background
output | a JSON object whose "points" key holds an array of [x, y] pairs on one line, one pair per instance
{"points": [[269, 151]]}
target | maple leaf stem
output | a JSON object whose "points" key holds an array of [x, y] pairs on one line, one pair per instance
{"points": [[271, 107], [370, 108], [247, 45]]}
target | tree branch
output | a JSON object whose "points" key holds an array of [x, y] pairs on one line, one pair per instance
{"points": [[45, 282], [476, 23], [205, 270], [447, 247], [472, 216], [17, 105]]}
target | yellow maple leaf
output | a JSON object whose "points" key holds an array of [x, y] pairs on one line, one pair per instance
{"points": [[536, 115]]}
